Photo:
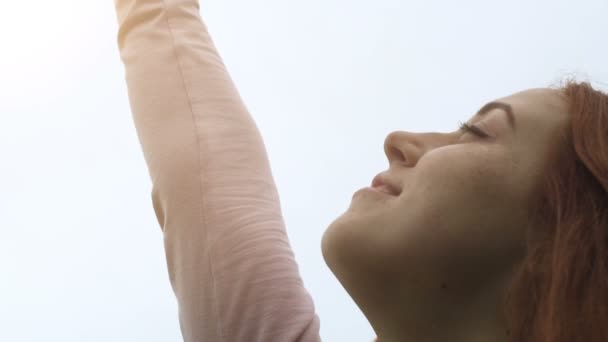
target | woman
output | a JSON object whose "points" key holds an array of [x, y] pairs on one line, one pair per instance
{"points": [[494, 232]]}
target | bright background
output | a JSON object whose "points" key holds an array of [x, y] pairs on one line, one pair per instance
{"points": [[81, 253]]}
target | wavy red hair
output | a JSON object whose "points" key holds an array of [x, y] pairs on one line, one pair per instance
{"points": [[560, 291]]}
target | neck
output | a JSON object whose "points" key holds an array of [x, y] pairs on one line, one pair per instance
{"points": [[438, 314]]}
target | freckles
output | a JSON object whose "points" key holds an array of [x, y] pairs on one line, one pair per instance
{"points": [[490, 172]]}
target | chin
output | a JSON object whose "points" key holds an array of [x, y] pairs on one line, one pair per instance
{"points": [[342, 241]]}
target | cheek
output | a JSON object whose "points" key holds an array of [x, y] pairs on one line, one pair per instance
{"points": [[457, 214], [466, 171], [479, 186], [464, 187]]}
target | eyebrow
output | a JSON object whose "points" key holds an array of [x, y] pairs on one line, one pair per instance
{"points": [[508, 110]]}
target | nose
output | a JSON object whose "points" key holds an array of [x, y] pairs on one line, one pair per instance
{"points": [[403, 148]]}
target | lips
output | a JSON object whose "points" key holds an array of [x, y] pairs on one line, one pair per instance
{"points": [[381, 182]]}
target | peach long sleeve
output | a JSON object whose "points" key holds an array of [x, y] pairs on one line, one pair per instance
{"points": [[229, 259]]}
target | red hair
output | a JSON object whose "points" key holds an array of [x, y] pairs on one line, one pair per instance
{"points": [[559, 292]]}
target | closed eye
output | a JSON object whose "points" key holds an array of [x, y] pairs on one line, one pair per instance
{"points": [[472, 129]]}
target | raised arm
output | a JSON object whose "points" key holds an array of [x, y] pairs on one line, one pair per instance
{"points": [[229, 259]]}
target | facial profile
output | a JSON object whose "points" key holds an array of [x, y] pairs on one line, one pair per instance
{"points": [[440, 247]]}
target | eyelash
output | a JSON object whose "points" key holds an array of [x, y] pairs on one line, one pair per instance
{"points": [[472, 129]]}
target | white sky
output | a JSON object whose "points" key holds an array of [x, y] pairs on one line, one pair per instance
{"points": [[81, 253]]}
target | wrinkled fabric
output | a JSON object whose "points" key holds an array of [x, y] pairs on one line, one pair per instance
{"points": [[228, 256]]}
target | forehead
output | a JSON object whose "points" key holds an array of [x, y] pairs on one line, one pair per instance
{"points": [[539, 108], [542, 116], [539, 105]]}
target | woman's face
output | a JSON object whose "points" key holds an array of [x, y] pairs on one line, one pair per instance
{"points": [[458, 223]]}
